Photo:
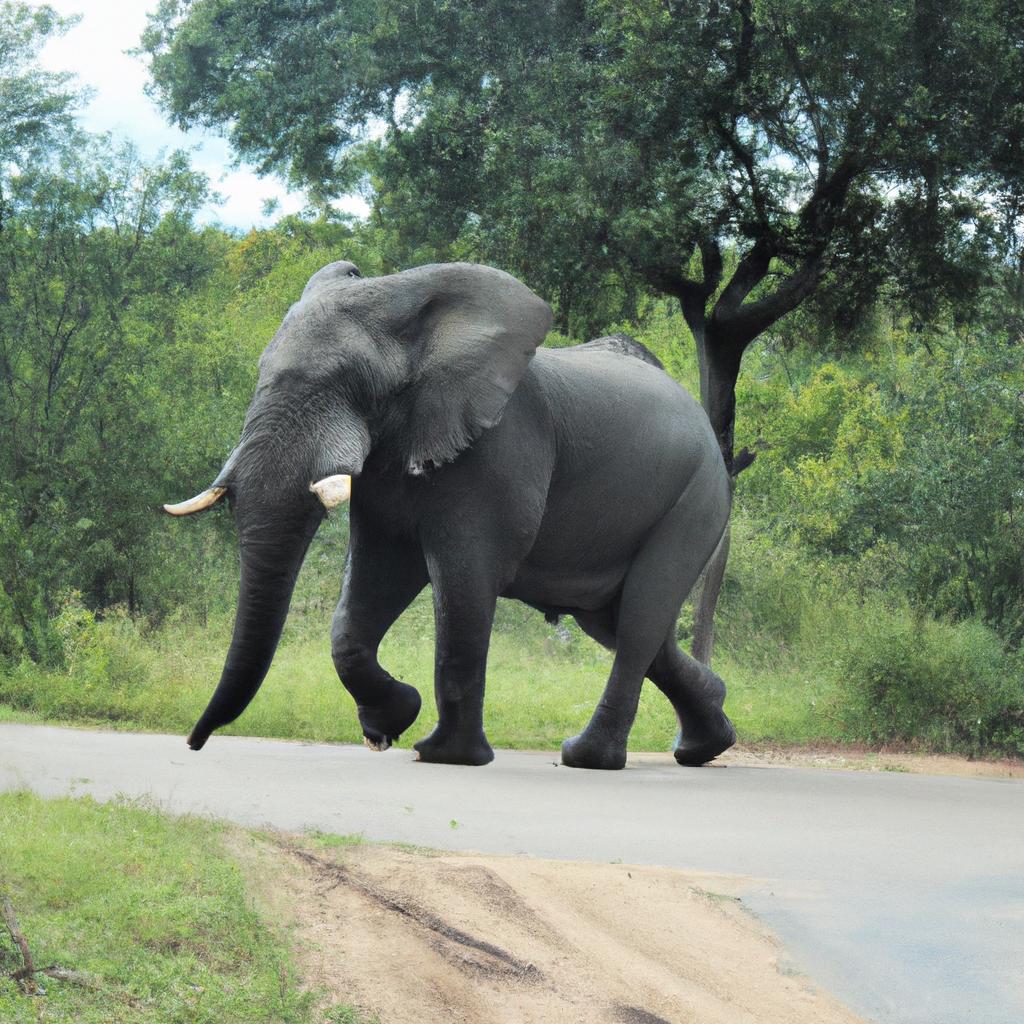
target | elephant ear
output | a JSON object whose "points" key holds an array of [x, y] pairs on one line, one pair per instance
{"points": [[472, 336]]}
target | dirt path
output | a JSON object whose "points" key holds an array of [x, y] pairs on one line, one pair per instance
{"points": [[851, 758], [411, 936]]}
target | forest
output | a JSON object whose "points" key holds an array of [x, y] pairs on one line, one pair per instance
{"points": [[810, 212]]}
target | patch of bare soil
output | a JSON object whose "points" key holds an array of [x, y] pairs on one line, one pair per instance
{"points": [[863, 759], [415, 937]]}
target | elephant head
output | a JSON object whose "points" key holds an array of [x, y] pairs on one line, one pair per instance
{"points": [[410, 368]]}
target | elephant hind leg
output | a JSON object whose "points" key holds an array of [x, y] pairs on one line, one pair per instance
{"points": [[694, 691], [659, 578], [697, 695]]}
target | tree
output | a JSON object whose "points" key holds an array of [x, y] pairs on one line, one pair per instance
{"points": [[36, 115], [97, 254], [36, 106], [96, 251], [734, 154]]}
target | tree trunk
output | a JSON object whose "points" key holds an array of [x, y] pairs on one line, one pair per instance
{"points": [[719, 368]]}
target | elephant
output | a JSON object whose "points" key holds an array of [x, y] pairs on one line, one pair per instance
{"points": [[582, 481]]}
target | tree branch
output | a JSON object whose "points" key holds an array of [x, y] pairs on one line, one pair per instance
{"points": [[738, 323], [691, 294], [748, 274], [711, 260], [814, 110], [746, 44], [24, 974], [822, 209], [746, 160], [745, 323]]}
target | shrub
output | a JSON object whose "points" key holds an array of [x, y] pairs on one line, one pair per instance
{"points": [[776, 597], [945, 686], [104, 667]]}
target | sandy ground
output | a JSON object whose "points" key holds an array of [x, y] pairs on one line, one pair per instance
{"points": [[413, 936], [900, 892], [862, 759]]}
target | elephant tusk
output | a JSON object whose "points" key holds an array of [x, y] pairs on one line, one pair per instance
{"points": [[333, 490], [197, 504]]}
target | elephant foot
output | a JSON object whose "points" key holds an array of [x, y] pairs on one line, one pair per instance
{"points": [[384, 723], [445, 748], [703, 743], [592, 750]]}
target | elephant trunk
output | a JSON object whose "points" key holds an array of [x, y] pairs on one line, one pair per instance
{"points": [[270, 562]]}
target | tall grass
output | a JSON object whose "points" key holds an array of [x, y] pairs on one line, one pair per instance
{"points": [[810, 653], [839, 657]]}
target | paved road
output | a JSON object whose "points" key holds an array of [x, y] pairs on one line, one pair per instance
{"points": [[902, 894]]}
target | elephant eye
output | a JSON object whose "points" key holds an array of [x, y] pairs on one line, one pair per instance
{"points": [[353, 273]]}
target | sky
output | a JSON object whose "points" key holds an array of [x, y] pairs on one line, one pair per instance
{"points": [[94, 50]]}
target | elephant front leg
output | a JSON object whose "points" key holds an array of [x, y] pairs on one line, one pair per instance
{"points": [[386, 706], [381, 579], [463, 614]]}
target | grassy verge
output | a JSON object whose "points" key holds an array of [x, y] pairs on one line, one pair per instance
{"points": [[542, 686], [542, 682], [19, 716], [809, 655], [149, 911]]}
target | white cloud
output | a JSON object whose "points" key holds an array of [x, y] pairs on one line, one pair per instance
{"points": [[95, 51]]}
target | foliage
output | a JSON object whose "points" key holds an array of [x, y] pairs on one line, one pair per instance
{"points": [[96, 254], [902, 465], [36, 106], [829, 442], [943, 687], [733, 155], [150, 908], [958, 485]]}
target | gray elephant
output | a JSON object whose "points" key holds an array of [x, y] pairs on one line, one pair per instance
{"points": [[582, 481]]}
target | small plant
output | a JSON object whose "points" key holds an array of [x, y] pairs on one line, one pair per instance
{"points": [[347, 1015]]}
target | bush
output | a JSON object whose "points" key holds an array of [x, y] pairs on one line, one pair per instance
{"points": [[104, 668], [946, 686], [777, 597]]}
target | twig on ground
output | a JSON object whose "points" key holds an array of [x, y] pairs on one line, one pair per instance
{"points": [[71, 977], [24, 975]]}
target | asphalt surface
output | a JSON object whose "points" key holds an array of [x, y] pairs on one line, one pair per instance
{"points": [[902, 894]]}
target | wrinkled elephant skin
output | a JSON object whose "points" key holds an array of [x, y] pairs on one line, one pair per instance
{"points": [[582, 481]]}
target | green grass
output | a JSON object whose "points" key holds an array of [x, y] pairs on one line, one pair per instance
{"points": [[542, 685], [543, 682], [805, 654], [152, 910], [18, 716], [786, 702], [541, 688], [333, 841]]}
